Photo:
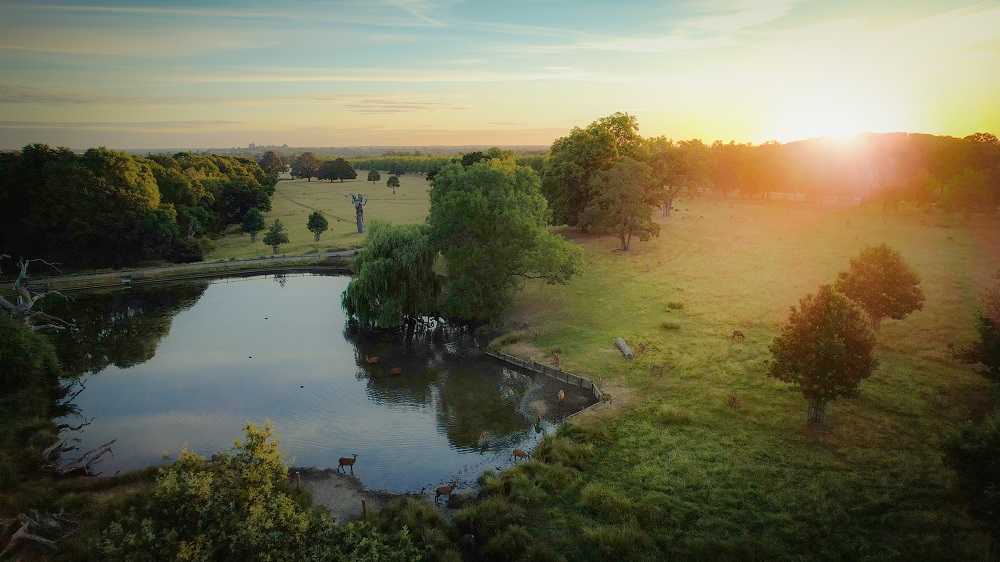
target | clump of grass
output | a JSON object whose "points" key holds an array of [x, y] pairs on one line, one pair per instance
{"points": [[606, 503], [426, 525], [507, 339], [675, 305], [671, 415], [508, 545], [668, 325], [565, 451], [622, 542], [489, 517]]}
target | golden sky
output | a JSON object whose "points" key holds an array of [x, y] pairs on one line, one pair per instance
{"points": [[186, 74]]}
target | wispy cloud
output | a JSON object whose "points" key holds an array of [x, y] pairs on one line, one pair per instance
{"points": [[387, 107], [263, 75], [143, 126], [743, 15]]}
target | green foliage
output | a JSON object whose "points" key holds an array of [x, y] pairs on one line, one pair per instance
{"points": [[606, 503], [317, 223], [394, 276], [882, 284], [671, 415], [490, 517], [676, 168], [306, 165], [276, 235], [272, 163], [825, 349], [253, 222], [508, 546], [338, 169], [988, 326], [574, 160], [427, 527], [622, 542], [392, 183], [235, 509], [622, 202], [974, 452], [489, 222], [374, 176]]}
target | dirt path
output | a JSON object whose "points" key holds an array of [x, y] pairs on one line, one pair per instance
{"points": [[341, 494]]}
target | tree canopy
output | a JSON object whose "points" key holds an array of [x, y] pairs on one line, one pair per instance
{"points": [[825, 349], [272, 163], [276, 235], [317, 224], [394, 279], [622, 202], [882, 284], [253, 222], [392, 183], [489, 221], [306, 165], [374, 176]]}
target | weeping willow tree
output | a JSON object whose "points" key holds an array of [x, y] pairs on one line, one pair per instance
{"points": [[826, 349], [394, 282]]}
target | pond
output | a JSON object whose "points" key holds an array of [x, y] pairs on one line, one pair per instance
{"points": [[169, 365]]}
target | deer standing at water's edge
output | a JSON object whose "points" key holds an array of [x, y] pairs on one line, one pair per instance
{"points": [[346, 461], [446, 490], [519, 454]]}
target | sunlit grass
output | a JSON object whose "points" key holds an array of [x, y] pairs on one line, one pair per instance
{"points": [[294, 200], [757, 481]]}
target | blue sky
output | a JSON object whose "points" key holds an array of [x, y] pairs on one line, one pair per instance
{"points": [[427, 72]]}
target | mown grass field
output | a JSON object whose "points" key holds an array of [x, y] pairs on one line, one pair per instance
{"points": [[294, 200], [757, 482]]}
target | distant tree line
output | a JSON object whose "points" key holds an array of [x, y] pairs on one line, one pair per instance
{"points": [[108, 208]]}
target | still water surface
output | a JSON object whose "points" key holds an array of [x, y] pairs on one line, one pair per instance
{"points": [[192, 364]]}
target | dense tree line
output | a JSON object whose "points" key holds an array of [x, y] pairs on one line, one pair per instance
{"points": [[107, 208], [399, 165]]}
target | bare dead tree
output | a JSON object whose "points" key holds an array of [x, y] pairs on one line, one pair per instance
{"points": [[30, 295]]}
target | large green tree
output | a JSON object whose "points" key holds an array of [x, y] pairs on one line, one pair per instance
{"points": [[677, 168], [882, 284], [394, 281], [374, 176], [573, 162], [306, 165], [825, 349], [392, 183], [489, 220], [623, 201], [344, 170], [272, 163]]}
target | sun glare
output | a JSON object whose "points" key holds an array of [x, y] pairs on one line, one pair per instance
{"points": [[842, 118]]}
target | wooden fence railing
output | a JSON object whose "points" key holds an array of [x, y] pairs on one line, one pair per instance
{"points": [[548, 371]]}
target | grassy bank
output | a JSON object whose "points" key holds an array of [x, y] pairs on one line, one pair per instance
{"points": [[757, 482], [294, 200]]}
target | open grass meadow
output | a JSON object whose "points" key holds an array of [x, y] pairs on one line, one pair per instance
{"points": [[294, 200], [669, 470]]}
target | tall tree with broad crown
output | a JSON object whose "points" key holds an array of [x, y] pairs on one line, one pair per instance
{"points": [[306, 166], [374, 176], [392, 183], [489, 220], [882, 284], [623, 201], [272, 163], [825, 349]]}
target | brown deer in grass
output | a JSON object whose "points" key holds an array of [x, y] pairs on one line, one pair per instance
{"points": [[345, 461], [446, 490], [657, 369], [607, 397], [737, 335], [734, 402], [371, 359], [396, 371], [519, 454]]}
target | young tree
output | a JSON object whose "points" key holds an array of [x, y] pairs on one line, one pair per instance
{"points": [[276, 235], [374, 176], [392, 183], [489, 220], [882, 284], [394, 280], [317, 224], [825, 349], [622, 202], [253, 222], [306, 166]]}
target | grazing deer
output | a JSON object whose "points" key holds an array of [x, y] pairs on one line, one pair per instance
{"points": [[737, 335], [562, 395], [555, 357], [484, 437], [607, 397], [446, 490], [344, 461], [642, 348], [657, 369], [734, 402], [519, 454], [396, 371], [371, 359]]}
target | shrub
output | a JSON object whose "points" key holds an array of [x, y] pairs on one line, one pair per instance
{"points": [[507, 546], [489, 517], [606, 503], [622, 542], [565, 451]]}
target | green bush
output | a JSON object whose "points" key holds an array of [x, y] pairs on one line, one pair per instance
{"points": [[565, 451], [508, 546], [489, 517]]}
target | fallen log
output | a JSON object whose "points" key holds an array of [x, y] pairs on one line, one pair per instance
{"points": [[625, 349]]}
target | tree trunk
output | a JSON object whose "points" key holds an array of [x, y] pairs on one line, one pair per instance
{"points": [[816, 413], [317, 237], [361, 221], [622, 245], [667, 203], [275, 248], [253, 236]]}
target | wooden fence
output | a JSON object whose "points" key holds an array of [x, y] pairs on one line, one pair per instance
{"points": [[548, 371]]}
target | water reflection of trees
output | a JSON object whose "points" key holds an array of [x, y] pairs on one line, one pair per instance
{"points": [[121, 328], [443, 368]]}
